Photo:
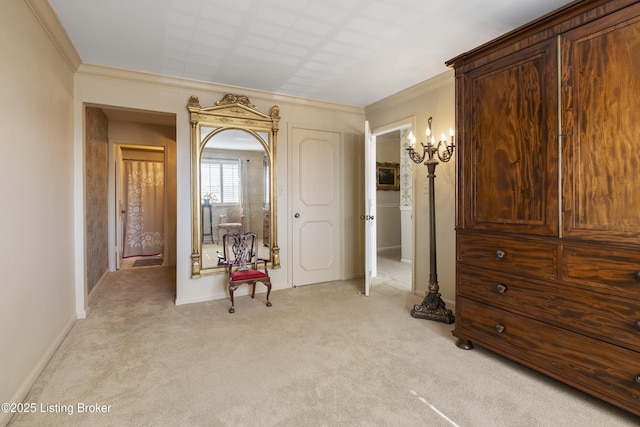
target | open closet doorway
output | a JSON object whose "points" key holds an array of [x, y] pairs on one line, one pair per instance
{"points": [[108, 130], [394, 207], [143, 186]]}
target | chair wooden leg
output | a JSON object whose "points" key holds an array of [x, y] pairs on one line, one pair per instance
{"points": [[253, 291], [268, 285], [231, 290]]}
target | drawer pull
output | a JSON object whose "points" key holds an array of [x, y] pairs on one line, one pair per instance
{"points": [[636, 380], [636, 324], [499, 328], [501, 288], [500, 254], [636, 275]]}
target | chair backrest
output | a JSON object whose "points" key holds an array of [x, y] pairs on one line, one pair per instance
{"points": [[240, 250], [234, 215]]}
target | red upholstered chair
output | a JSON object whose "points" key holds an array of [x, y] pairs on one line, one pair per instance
{"points": [[242, 263]]}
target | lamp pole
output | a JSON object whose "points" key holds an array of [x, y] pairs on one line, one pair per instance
{"points": [[433, 307]]}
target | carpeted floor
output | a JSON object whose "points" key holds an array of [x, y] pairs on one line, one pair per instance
{"points": [[323, 355]]}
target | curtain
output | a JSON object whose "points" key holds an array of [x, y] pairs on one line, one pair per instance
{"points": [[144, 201]]}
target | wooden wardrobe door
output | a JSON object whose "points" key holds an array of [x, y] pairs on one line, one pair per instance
{"points": [[601, 116], [509, 182]]}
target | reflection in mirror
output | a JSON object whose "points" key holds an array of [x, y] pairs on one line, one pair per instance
{"points": [[233, 154], [234, 177]]}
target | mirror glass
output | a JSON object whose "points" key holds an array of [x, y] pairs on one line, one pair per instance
{"points": [[232, 159], [234, 190]]}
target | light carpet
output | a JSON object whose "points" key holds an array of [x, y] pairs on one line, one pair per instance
{"points": [[323, 355]]}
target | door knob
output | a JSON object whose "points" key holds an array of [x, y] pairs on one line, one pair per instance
{"points": [[297, 215]]}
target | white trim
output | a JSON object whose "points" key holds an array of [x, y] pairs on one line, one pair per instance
{"points": [[410, 123], [53, 28], [168, 82], [418, 91], [98, 285], [388, 248], [79, 210]]}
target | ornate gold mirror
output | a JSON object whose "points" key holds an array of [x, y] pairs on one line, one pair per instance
{"points": [[233, 148]]}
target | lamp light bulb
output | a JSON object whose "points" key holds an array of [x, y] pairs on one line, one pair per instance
{"points": [[412, 139]]}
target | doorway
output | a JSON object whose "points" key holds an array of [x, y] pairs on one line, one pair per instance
{"points": [[107, 129], [394, 208], [140, 195]]}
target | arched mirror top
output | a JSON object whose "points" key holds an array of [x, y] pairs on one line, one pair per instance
{"points": [[234, 139], [233, 159]]}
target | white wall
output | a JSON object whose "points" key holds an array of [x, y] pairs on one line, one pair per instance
{"points": [[36, 186], [100, 86], [436, 98]]}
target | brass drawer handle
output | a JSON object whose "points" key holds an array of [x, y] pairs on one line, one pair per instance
{"points": [[501, 288], [636, 275], [636, 380], [500, 254], [499, 328], [636, 324]]}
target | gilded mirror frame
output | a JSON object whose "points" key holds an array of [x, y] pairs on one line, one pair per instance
{"points": [[232, 112]]}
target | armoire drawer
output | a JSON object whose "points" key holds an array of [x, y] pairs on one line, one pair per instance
{"points": [[608, 317], [527, 257], [603, 269], [610, 372], [501, 290]]}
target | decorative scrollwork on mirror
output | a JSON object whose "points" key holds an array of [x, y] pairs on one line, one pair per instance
{"points": [[233, 159]]}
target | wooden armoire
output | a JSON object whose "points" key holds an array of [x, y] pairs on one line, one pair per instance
{"points": [[548, 215]]}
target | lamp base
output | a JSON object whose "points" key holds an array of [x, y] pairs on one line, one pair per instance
{"points": [[433, 308]]}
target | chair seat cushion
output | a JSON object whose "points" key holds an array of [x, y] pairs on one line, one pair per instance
{"points": [[248, 275]]}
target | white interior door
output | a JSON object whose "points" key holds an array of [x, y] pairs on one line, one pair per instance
{"points": [[316, 206], [370, 262]]}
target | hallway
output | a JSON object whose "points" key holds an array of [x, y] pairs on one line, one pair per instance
{"points": [[393, 272]]}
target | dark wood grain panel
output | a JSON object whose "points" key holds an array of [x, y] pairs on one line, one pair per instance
{"points": [[533, 258], [604, 317], [504, 291], [606, 270], [511, 148], [601, 100], [601, 316]]}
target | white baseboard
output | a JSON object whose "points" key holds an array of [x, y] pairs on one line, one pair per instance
{"points": [[388, 248], [98, 285], [24, 389], [204, 298]]}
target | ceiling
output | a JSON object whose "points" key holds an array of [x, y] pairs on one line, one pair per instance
{"points": [[352, 52]]}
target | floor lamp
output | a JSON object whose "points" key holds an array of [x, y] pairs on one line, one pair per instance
{"points": [[432, 307]]}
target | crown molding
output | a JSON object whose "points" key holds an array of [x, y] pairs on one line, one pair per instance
{"points": [[53, 28], [201, 87], [419, 90]]}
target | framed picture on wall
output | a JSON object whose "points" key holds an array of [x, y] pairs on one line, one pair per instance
{"points": [[388, 176]]}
